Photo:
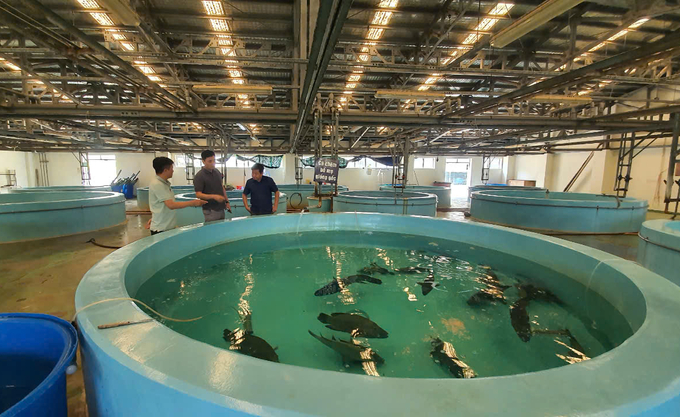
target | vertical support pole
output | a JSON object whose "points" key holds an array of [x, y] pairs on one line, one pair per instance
{"points": [[672, 160], [407, 152]]}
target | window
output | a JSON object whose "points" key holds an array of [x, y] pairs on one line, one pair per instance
{"points": [[361, 163], [423, 163], [457, 170], [375, 164], [496, 163], [102, 169], [181, 162], [234, 162]]}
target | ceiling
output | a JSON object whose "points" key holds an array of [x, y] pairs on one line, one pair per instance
{"points": [[252, 76]]}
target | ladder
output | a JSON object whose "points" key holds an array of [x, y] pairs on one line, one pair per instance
{"points": [[486, 168], [84, 159], [190, 168], [673, 169], [43, 178], [624, 165]]}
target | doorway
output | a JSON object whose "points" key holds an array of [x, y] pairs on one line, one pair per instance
{"points": [[458, 174]]}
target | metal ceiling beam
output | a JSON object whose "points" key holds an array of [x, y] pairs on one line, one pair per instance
{"points": [[579, 75], [95, 45], [332, 15]]}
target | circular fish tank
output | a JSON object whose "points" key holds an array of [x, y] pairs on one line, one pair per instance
{"points": [[443, 193], [28, 216], [319, 204], [271, 314], [476, 188], [62, 188], [143, 194], [549, 212], [298, 194], [419, 204], [659, 248], [193, 215]]}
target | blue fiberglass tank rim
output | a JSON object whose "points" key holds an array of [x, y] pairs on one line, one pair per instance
{"points": [[406, 203], [181, 373], [659, 248]]}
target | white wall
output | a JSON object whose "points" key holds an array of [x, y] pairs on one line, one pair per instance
{"points": [[565, 165], [21, 163], [530, 167], [63, 168]]}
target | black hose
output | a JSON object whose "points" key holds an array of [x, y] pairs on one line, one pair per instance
{"points": [[295, 206], [102, 246]]}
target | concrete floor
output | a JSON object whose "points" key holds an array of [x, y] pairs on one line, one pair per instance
{"points": [[42, 276]]}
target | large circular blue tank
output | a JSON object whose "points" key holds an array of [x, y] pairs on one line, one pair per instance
{"points": [[554, 212], [298, 193], [27, 216], [143, 194], [35, 352], [443, 193], [149, 369], [193, 215], [659, 248], [475, 188], [63, 188], [412, 203]]}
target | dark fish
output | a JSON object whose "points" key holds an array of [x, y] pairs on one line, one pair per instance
{"points": [[428, 284], [337, 285], [250, 345], [533, 293], [444, 354], [520, 319], [411, 270], [349, 350], [490, 294], [355, 325], [375, 269]]}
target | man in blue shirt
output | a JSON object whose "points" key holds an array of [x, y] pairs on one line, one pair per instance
{"points": [[260, 189]]}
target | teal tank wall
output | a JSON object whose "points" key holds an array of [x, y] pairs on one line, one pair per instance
{"points": [[150, 370], [193, 215], [412, 203], [143, 194], [659, 248], [28, 216], [550, 212], [63, 188], [443, 193]]}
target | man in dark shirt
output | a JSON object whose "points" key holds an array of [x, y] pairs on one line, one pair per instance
{"points": [[208, 186], [260, 189]]}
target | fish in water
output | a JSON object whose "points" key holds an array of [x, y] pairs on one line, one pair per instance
{"points": [[246, 319], [428, 284], [531, 292], [412, 270], [337, 285], [375, 269], [520, 319], [250, 345], [354, 324], [489, 294], [350, 351], [444, 354]]}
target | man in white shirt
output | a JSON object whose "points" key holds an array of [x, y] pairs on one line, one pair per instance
{"points": [[162, 199]]}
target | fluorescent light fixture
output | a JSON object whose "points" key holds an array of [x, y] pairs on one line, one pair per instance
{"points": [[431, 80], [118, 36], [89, 4], [224, 40], [423, 88], [555, 98], [472, 38], [638, 23], [374, 33], [219, 25], [238, 81], [240, 126], [351, 85], [354, 78], [242, 96], [410, 94], [363, 57], [102, 18], [381, 18], [154, 78], [234, 73], [146, 69], [127, 46], [501, 9], [122, 10], [540, 15], [388, 4], [213, 8], [230, 88], [618, 35]]}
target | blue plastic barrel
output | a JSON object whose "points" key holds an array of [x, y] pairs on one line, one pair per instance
{"points": [[35, 351]]}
